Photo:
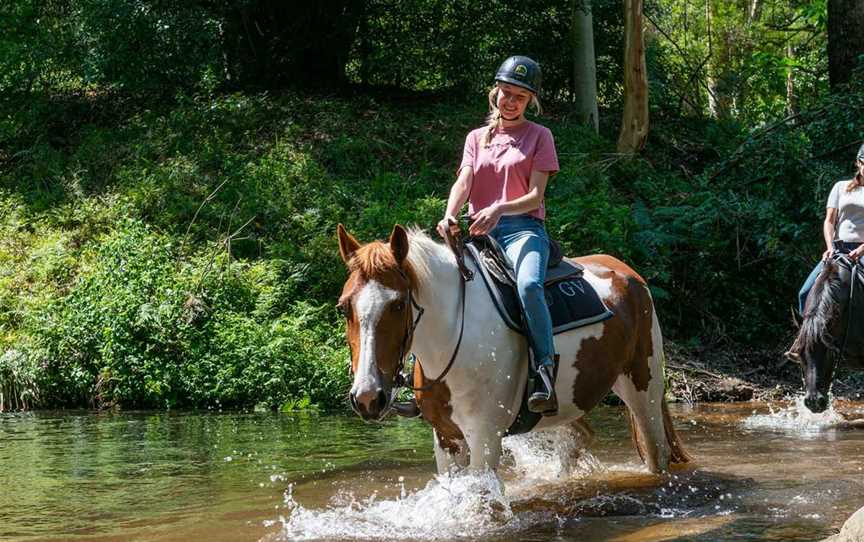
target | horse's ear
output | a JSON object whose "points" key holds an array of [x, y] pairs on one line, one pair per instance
{"points": [[347, 244], [399, 243]]}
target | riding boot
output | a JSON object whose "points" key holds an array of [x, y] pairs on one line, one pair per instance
{"points": [[543, 400]]}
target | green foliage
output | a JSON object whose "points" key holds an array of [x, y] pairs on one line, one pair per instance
{"points": [[18, 387], [451, 44], [731, 244], [167, 242], [748, 61], [138, 45], [142, 44], [586, 212], [140, 328], [304, 404], [160, 47], [184, 255]]}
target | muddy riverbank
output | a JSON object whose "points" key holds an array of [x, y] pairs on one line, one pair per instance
{"points": [[721, 375]]}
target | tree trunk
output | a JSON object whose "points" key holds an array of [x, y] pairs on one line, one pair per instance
{"points": [[365, 47], [845, 39], [755, 11], [742, 43], [718, 80], [634, 125], [791, 100], [584, 65]]}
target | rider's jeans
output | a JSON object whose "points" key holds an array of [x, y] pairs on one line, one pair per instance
{"points": [[524, 239], [808, 285]]}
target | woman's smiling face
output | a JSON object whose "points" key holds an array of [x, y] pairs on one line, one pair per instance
{"points": [[512, 101]]}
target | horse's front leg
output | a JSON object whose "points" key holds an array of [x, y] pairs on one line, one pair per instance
{"points": [[451, 456], [485, 449]]}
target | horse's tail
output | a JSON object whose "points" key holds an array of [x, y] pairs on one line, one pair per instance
{"points": [[634, 435], [677, 453]]}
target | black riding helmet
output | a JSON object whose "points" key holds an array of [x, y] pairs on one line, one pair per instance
{"points": [[520, 71]]}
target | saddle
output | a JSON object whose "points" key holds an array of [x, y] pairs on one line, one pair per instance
{"points": [[572, 303], [571, 299]]}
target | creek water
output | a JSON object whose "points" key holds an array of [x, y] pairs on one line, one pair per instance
{"points": [[762, 472]]}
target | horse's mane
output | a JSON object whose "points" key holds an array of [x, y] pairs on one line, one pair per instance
{"points": [[424, 253], [823, 307], [376, 258]]}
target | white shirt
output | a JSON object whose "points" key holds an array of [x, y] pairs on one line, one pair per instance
{"points": [[850, 216]]}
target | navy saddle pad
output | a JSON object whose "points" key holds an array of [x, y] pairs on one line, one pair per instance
{"points": [[572, 301]]}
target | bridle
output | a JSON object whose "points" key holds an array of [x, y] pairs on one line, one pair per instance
{"points": [[456, 245]]}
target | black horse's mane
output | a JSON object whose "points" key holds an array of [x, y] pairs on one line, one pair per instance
{"points": [[823, 305]]}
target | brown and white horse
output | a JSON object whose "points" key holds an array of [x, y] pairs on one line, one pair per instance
{"points": [[474, 405]]}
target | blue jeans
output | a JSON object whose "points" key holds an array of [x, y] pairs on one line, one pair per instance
{"points": [[524, 239], [808, 285]]}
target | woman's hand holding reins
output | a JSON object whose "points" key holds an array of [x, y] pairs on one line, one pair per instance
{"points": [[827, 254], [856, 254], [485, 220], [450, 222]]}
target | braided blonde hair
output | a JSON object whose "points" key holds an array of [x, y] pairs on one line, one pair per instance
{"points": [[493, 120]]}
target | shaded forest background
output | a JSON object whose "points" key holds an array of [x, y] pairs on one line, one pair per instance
{"points": [[172, 172]]}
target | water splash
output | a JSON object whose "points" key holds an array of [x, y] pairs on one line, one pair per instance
{"points": [[462, 506], [553, 454], [796, 418], [467, 505]]}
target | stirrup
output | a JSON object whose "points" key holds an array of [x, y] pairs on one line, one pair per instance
{"points": [[407, 409], [544, 401]]}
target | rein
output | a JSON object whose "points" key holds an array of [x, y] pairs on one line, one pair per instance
{"points": [[840, 355], [465, 275]]}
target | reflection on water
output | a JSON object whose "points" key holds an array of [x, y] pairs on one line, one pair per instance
{"points": [[764, 472]]}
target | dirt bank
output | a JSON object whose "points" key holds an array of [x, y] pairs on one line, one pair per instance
{"points": [[722, 375]]}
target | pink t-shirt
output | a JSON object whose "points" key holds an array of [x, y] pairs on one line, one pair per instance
{"points": [[502, 169]]}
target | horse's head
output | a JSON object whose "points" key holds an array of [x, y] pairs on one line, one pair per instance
{"points": [[376, 303], [823, 332]]}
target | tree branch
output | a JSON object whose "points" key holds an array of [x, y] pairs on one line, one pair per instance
{"points": [[736, 156], [684, 55]]}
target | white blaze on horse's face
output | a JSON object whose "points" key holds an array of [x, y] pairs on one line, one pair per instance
{"points": [[373, 301], [377, 317]]}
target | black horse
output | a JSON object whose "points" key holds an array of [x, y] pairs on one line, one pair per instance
{"points": [[833, 328]]}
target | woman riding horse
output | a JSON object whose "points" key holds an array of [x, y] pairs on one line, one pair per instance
{"points": [[825, 300], [471, 371], [503, 174], [843, 227]]}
